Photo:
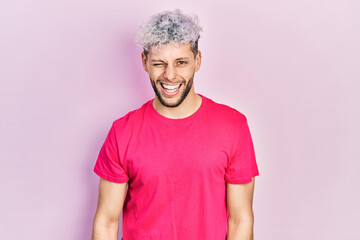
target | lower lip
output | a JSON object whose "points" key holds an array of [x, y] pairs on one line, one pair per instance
{"points": [[170, 93]]}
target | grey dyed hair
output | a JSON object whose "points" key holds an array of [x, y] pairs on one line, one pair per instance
{"points": [[169, 27]]}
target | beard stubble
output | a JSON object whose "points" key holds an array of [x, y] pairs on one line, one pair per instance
{"points": [[183, 95]]}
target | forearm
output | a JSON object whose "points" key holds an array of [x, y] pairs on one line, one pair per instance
{"points": [[240, 229], [105, 229]]}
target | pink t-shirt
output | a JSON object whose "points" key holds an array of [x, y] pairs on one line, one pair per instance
{"points": [[177, 170]]}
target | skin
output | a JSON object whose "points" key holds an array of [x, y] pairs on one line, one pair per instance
{"points": [[241, 218], [173, 64], [110, 204]]}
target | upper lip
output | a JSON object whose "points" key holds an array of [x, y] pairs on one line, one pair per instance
{"points": [[170, 84]]}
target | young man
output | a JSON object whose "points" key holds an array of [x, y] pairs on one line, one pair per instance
{"points": [[188, 162]]}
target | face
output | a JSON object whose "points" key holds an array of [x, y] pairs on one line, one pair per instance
{"points": [[171, 70]]}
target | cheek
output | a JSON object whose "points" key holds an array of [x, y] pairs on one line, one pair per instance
{"points": [[187, 73], [155, 73], [184, 73]]}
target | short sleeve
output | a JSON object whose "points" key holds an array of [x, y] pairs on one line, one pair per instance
{"points": [[108, 164], [242, 164]]}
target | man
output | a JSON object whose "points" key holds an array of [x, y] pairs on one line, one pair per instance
{"points": [[188, 162]]}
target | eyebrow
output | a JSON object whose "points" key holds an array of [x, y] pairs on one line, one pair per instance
{"points": [[158, 60]]}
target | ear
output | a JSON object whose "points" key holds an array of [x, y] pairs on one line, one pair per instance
{"points": [[144, 61], [197, 61]]}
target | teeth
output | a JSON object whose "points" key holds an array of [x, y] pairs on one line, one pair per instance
{"points": [[170, 87]]}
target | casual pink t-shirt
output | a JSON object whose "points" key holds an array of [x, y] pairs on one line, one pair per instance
{"points": [[177, 170]]}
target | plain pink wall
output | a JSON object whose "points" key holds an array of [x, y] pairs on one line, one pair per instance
{"points": [[69, 68]]}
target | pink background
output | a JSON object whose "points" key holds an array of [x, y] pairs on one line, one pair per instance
{"points": [[69, 68]]}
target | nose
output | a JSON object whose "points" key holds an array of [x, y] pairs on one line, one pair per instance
{"points": [[169, 72]]}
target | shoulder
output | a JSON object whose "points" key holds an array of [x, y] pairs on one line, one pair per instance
{"points": [[225, 113], [130, 119]]}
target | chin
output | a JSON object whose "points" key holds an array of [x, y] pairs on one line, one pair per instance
{"points": [[170, 102], [175, 100]]}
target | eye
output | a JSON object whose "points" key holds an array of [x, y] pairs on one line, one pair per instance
{"points": [[157, 64], [182, 62]]}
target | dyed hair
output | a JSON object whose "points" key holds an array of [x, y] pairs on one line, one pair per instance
{"points": [[169, 27]]}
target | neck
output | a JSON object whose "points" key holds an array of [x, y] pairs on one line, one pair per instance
{"points": [[188, 107]]}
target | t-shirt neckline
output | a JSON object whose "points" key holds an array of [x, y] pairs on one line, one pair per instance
{"points": [[178, 120]]}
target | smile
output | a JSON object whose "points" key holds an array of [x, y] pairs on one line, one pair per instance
{"points": [[170, 90]]}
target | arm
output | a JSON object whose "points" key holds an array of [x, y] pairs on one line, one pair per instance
{"points": [[241, 218], [110, 204]]}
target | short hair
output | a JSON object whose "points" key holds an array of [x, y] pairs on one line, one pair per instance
{"points": [[168, 27]]}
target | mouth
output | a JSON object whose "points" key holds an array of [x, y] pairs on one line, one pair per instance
{"points": [[169, 89]]}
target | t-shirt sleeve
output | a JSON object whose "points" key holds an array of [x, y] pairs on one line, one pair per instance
{"points": [[109, 165], [242, 164]]}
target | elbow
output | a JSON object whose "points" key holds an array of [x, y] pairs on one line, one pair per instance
{"points": [[242, 219], [105, 221]]}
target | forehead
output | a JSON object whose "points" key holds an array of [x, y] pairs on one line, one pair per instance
{"points": [[171, 51]]}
